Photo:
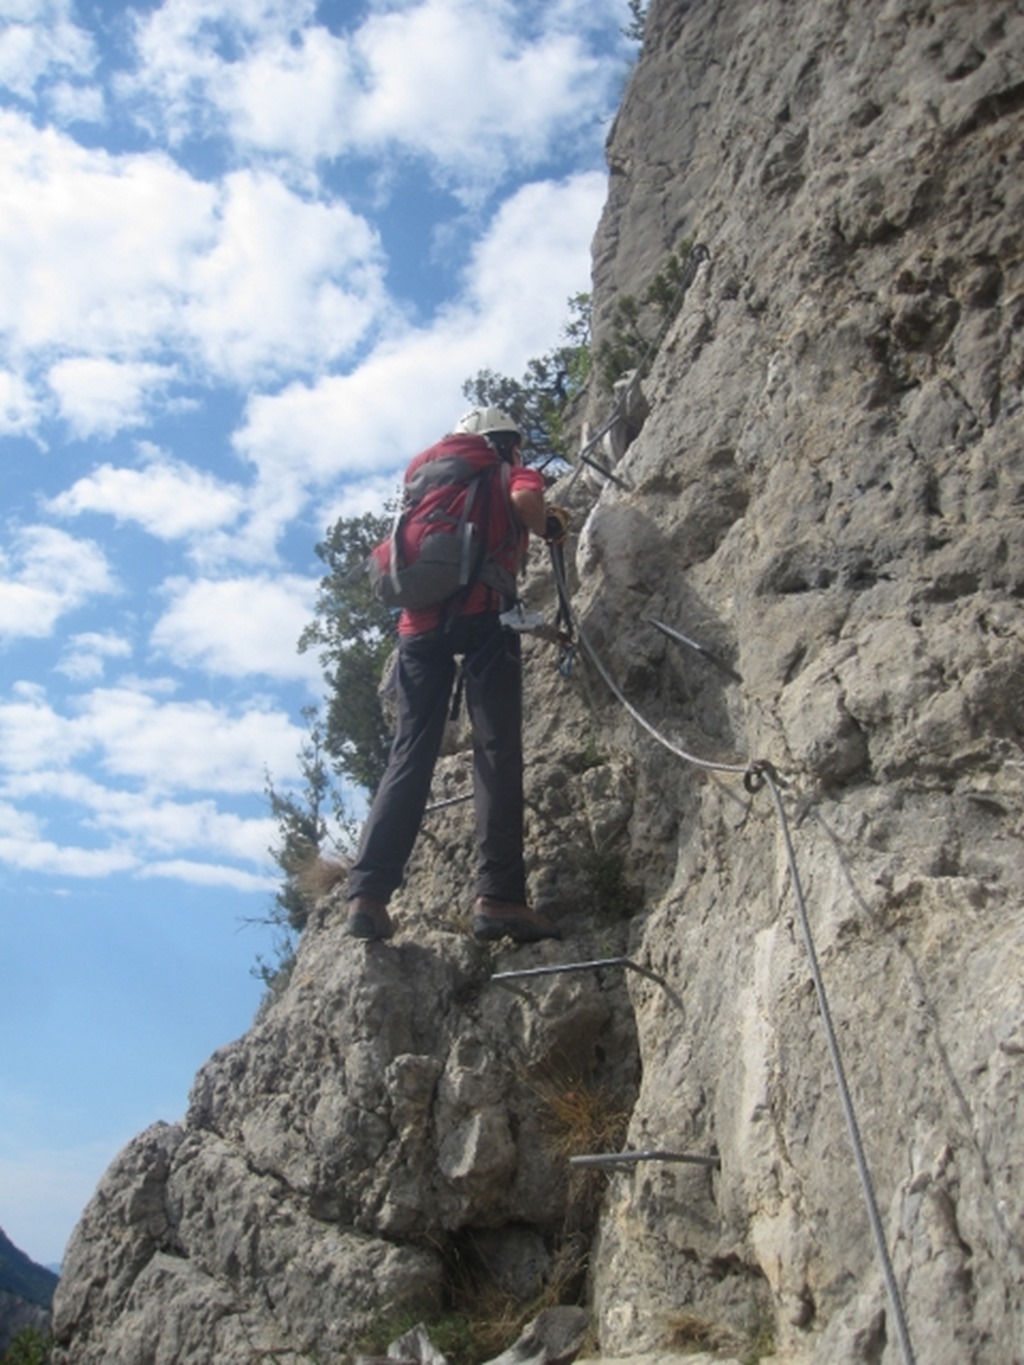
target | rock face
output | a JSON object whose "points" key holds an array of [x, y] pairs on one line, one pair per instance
{"points": [[827, 494], [828, 491], [394, 1116]]}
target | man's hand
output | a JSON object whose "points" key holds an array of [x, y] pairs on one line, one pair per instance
{"points": [[556, 525]]}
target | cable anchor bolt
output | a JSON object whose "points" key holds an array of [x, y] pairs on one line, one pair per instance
{"points": [[759, 772]]}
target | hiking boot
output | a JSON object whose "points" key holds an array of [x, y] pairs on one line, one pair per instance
{"points": [[369, 919], [510, 919]]}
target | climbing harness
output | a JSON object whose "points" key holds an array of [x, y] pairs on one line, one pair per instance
{"points": [[522, 621], [536, 624]]}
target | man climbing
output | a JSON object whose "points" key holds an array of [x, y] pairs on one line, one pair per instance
{"points": [[467, 626]]}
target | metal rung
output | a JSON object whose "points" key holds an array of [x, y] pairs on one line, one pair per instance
{"points": [[630, 1158], [451, 801], [579, 967], [590, 966]]}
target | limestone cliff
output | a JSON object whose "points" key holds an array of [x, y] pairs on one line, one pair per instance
{"points": [[826, 493]]}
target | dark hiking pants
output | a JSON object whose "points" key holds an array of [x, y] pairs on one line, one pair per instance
{"points": [[493, 694]]}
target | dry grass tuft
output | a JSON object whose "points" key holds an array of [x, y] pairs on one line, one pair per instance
{"points": [[688, 1333], [319, 875], [581, 1117], [483, 1319], [494, 1320]]}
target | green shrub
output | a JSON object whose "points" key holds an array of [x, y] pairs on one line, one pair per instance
{"points": [[638, 325], [29, 1347]]}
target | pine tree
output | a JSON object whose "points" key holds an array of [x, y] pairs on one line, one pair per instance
{"points": [[303, 836], [539, 400], [355, 634]]}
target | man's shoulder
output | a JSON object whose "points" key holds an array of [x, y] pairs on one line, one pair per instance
{"points": [[453, 459], [460, 445], [524, 478]]}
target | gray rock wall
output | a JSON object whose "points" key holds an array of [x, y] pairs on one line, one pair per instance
{"points": [[393, 1117], [826, 492]]}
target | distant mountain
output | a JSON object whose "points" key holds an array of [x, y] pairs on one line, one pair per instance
{"points": [[20, 1276]]}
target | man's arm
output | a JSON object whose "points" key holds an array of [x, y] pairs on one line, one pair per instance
{"points": [[529, 508]]}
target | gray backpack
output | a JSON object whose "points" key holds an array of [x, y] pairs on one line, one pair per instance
{"points": [[437, 548]]}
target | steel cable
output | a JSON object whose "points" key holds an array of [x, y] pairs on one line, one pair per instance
{"points": [[840, 1075], [563, 596]]}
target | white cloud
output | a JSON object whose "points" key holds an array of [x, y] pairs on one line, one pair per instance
{"points": [[98, 397], [38, 39], [459, 82], [210, 874], [239, 627], [19, 409], [139, 842], [76, 103], [147, 750], [141, 826], [106, 787], [23, 845], [292, 99], [475, 87], [93, 246], [157, 745], [162, 827], [85, 655], [17, 823], [116, 259], [185, 745], [361, 495], [166, 497], [183, 67], [288, 284], [46, 575], [32, 734], [534, 257], [408, 391]]}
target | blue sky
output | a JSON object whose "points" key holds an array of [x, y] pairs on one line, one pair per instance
{"points": [[249, 252]]}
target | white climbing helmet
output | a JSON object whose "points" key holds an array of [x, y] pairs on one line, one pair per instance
{"points": [[488, 422]]}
